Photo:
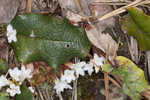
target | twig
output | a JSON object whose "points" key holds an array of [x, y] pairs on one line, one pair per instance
{"points": [[113, 81], [146, 94], [120, 10], [148, 59], [60, 96], [41, 96], [106, 85], [29, 6], [75, 90], [77, 2], [110, 3]]}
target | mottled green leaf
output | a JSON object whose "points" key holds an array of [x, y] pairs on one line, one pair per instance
{"points": [[4, 98], [137, 24], [107, 68], [56, 41], [26, 94], [3, 66], [134, 81]]}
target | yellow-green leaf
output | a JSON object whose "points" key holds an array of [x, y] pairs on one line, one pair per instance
{"points": [[134, 81]]}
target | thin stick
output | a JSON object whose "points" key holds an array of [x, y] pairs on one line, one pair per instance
{"points": [[29, 6], [113, 81], [106, 85], [75, 89], [77, 2], [60, 96], [118, 11], [110, 3], [74, 92], [41, 96]]}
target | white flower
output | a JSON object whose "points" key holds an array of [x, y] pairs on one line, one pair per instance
{"points": [[31, 89], [68, 76], [110, 58], [25, 73], [78, 67], [89, 68], [61, 85], [3, 81], [15, 73], [99, 61], [20, 75], [32, 34], [13, 90], [11, 34]]}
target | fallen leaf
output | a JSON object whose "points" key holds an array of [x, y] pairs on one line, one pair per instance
{"points": [[56, 41], [101, 41], [74, 18], [134, 82]]}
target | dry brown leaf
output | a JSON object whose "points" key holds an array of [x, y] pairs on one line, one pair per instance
{"points": [[8, 9], [133, 48], [100, 10], [101, 41], [74, 17]]}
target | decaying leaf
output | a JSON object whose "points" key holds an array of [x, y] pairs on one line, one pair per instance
{"points": [[134, 82], [8, 9], [55, 41], [74, 18], [101, 41]]}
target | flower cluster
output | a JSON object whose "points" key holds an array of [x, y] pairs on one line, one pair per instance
{"points": [[11, 34], [17, 77], [76, 70]]}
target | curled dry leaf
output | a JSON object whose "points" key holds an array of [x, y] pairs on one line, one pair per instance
{"points": [[74, 18], [101, 41], [8, 9]]}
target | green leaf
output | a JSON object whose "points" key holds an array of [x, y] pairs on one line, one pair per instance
{"points": [[107, 68], [3, 66], [26, 94], [4, 98], [137, 24], [56, 41], [134, 81]]}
